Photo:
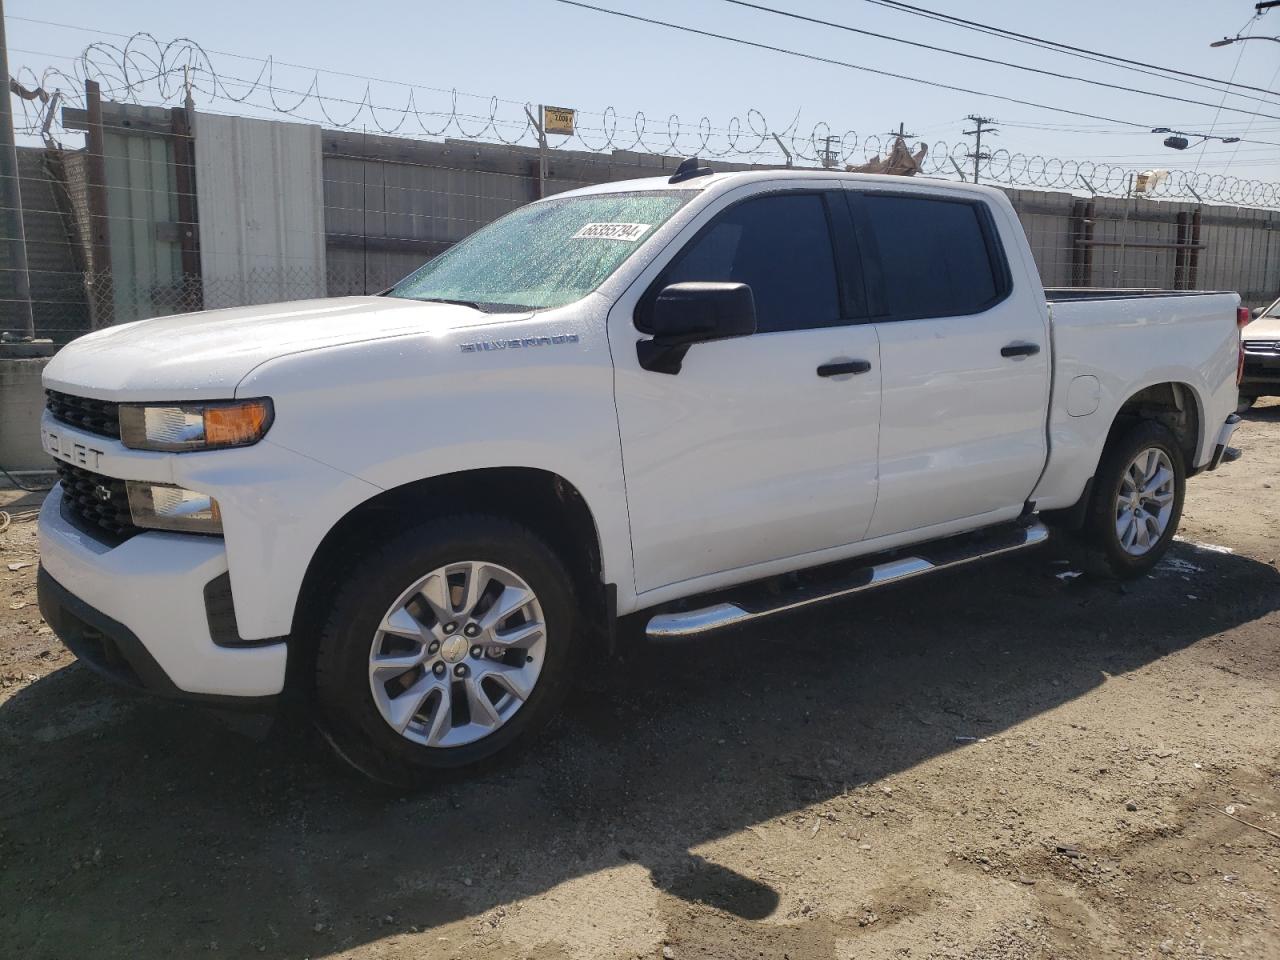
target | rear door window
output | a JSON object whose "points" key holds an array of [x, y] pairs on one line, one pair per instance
{"points": [[937, 257]]}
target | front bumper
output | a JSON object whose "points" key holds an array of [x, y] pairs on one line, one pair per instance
{"points": [[1261, 376], [146, 611], [1261, 369]]}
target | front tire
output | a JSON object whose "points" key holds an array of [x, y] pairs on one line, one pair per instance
{"points": [[446, 645], [1137, 501]]}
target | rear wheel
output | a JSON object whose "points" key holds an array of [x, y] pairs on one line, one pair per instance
{"points": [[1137, 501], [451, 642]]}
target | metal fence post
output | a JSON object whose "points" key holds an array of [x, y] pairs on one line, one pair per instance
{"points": [[14, 233]]}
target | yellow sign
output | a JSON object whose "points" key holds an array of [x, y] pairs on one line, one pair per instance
{"points": [[557, 120]]}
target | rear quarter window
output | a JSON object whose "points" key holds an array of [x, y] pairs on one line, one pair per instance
{"points": [[938, 258]]}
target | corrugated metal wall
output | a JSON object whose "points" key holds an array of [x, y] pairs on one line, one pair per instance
{"points": [[288, 211], [141, 206], [1045, 218], [391, 204], [1135, 243], [261, 210], [1242, 253]]}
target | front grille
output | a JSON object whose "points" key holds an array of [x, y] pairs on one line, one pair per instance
{"points": [[1262, 346], [97, 502], [97, 416]]}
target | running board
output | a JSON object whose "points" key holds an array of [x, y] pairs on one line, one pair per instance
{"points": [[745, 605]]}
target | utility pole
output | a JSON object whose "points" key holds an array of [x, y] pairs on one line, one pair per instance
{"points": [[14, 236], [828, 156], [981, 125], [900, 133]]}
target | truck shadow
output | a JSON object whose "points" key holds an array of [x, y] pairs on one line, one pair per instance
{"points": [[137, 828], [1266, 410]]}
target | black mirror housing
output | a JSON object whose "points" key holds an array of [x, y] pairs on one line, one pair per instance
{"points": [[704, 311], [696, 312]]}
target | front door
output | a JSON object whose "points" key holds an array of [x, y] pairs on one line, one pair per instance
{"points": [[758, 449]]}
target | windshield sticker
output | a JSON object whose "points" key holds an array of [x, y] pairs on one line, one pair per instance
{"points": [[631, 232]]}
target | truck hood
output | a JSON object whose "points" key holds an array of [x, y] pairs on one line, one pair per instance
{"points": [[1263, 328], [203, 356]]}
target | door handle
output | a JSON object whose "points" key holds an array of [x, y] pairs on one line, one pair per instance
{"points": [[1019, 349], [835, 368]]}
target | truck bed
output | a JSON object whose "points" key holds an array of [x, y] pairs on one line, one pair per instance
{"points": [[1066, 294], [1109, 343]]}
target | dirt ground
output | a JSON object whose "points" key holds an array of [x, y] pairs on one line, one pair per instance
{"points": [[1007, 762]]}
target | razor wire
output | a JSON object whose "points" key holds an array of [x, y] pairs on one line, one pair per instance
{"points": [[145, 70]]}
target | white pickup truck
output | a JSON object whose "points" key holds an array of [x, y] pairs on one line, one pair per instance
{"points": [[649, 399]]}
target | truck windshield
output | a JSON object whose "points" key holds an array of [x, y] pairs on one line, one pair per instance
{"points": [[545, 254]]}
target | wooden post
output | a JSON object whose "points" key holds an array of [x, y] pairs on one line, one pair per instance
{"points": [[537, 123], [1193, 255], [99, 280], [1118, 273], [1180, 253], [184, 180], [1081, 243]]}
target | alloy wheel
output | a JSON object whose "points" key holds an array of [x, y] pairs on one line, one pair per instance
{"points": [[1144, 503], [458, 654]]}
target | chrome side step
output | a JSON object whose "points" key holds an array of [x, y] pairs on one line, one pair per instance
{"points": [[743, 607]]}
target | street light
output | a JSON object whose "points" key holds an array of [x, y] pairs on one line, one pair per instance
{"points": [[1179, 141], [1227, 41]]}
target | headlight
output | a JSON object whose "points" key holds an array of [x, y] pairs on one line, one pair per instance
{"points": [[162, 506], [194, 426]]}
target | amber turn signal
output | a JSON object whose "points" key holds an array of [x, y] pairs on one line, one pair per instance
{"points": [[234, 426]]}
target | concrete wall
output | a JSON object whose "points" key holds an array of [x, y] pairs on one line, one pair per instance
{"points": [[21, 401]]}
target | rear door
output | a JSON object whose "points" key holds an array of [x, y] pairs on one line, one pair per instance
{"points": [[759, 449], [964, 362]]}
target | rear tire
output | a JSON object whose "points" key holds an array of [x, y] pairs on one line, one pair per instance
{"points": [[413, 621], [1137, 502]]}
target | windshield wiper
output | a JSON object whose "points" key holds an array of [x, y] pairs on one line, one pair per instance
{"points": [[461, 303]]}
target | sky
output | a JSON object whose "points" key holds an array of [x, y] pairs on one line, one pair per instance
{"points": [[543, 51]]}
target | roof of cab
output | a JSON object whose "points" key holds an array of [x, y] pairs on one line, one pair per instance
{"points": [[729, 179]]}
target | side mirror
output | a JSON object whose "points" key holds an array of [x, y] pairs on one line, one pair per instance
{"points": [[1258, 311], [687, 313]]}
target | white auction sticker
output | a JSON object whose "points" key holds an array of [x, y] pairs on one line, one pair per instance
{"points": [[631, 232]]}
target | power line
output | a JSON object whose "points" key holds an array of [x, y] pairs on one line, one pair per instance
{"points": [[144, 58], [1100, 128], [1217, 113], [981, 59], [1083, 52], [1232, 158], [831, 61]]}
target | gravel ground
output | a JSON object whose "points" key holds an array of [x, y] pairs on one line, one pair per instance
{"points": [[1000, 763]]}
